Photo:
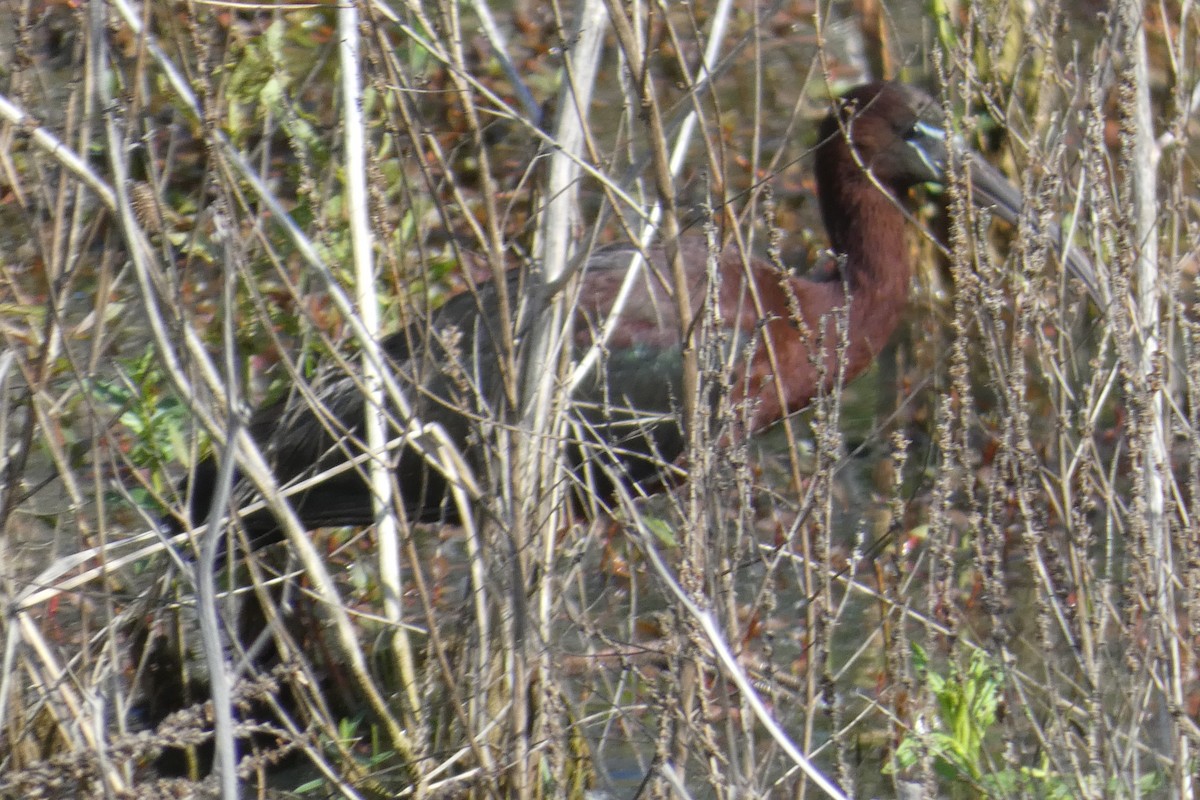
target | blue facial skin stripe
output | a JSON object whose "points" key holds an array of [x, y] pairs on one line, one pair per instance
{"points": [[925, 130], [931, 131]]}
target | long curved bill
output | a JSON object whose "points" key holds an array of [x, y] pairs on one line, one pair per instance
{"points": [[991, 190]]}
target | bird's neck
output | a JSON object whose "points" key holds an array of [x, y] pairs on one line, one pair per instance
{"points": [[866, 229]]}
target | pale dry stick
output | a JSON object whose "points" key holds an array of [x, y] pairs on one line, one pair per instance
{"points": [[204, 573], [304, 247], [501, 110], [52, 581], [661, 169], [361, 239], [583, 369], [496, 39], [253, 465], [80, 728], [544, 419], [513, 497], [1141, 157], [379, 470], [58, 149], [540, 460], [12, 640], [932, 625], [6, 575], [733, 669], [321, 734], [108, 197], [560, 217], [813, 573], [471, 749], [106, 193], [257, 470], [465, 505], [7, 360], [674, 780]]}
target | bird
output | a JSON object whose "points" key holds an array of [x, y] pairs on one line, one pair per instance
{"points": [[879, 141]]}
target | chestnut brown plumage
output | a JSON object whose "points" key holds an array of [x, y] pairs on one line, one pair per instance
{"points": [[873, 148]]}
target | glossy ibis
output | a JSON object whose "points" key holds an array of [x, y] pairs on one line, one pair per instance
{"points": [[873, 148]]}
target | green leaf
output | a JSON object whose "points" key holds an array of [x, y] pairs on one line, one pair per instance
{"points": [[662, 531]]}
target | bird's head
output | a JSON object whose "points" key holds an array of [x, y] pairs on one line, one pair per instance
{"points": [[893, 133], [888, 128]]}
